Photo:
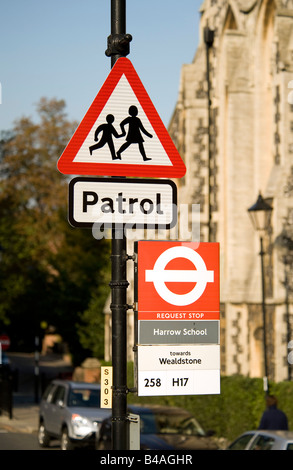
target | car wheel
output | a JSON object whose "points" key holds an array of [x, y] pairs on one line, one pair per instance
{"points": [[43, 436], [66, 443]]}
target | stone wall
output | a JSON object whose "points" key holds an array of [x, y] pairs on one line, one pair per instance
{"points": [[251, 143]]}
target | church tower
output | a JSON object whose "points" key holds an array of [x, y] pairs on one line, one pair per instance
{"points": [[233, 126]]}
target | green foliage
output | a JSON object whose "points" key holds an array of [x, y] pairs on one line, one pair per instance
{"points": [[91, 327], [49, 271]]}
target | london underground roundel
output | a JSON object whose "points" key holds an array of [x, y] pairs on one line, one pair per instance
{"points": [[177, 280]]}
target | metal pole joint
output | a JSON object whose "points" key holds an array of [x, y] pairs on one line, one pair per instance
{"points": [[118, 44], [123, 283], [120, 390]]}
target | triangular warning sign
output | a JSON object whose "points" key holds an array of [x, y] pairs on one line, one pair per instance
{"points": [[122, 133]]}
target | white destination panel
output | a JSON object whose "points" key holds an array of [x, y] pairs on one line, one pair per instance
{"points": [[131, 202], [178, 370]]}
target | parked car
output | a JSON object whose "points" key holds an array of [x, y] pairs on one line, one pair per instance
{"points": [[263, 440], [70, 412], [162, 427]]}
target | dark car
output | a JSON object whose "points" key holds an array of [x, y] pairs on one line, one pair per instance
{"points": [[70, 412], [162, 427]]}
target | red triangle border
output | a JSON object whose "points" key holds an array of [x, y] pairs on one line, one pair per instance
{"points": [[66, 165]]}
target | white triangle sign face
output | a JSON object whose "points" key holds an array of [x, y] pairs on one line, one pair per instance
{"points": [[114, 107], [122, 133]]}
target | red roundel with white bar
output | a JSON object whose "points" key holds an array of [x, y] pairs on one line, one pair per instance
{"points": [[177, 280]]}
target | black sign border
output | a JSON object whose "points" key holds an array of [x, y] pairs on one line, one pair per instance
{"points": [[110, 180]]}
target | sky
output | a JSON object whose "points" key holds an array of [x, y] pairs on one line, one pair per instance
{"points": [[56, 49]]}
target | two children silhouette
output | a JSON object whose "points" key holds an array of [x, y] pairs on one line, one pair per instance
{"points": [[134, 136]]}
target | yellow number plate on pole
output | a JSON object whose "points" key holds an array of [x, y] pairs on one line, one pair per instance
{"points": [[106, 387]]}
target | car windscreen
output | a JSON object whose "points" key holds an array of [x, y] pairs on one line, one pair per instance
{"points": [[84, 397], [161, 423]]}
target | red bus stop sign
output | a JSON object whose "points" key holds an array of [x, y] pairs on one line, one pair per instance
{"points": [[5, 342]]}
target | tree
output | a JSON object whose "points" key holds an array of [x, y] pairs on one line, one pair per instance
{"points": [[49, 271]]}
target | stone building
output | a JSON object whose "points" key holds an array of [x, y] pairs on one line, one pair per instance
{"points": [[235, 134]]}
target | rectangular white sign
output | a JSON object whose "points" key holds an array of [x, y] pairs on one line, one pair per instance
{"points": [[178, 370], [135, 203]]}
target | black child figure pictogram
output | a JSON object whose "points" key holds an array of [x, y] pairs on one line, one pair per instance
{"points": [[108, 131], [134, 136]]}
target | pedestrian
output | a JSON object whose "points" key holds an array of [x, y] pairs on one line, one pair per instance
{"points": [[135, 128], [108, 130], [273, 418]]}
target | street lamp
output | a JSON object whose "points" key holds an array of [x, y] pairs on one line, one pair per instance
{"points": [[260, 214]]}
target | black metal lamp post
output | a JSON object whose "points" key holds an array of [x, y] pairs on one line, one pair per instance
{"points": [[118, 46], [260, 214]]}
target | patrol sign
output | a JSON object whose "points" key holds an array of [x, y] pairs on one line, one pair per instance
{"points": [[139, 203]]}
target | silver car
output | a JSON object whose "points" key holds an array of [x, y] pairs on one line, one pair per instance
{"points": [[70, 412], [263, 440]]}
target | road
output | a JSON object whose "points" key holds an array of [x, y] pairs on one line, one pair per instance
{"points": [[20, 433], [19, 441]]}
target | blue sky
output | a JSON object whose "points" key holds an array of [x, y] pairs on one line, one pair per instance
{"points": [[56, 49]]}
